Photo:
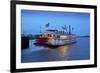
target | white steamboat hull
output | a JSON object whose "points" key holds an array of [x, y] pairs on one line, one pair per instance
{"points": [[59, 42]]}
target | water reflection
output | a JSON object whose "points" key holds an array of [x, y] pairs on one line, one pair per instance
{"points": [[60, 51], [63, 50]]}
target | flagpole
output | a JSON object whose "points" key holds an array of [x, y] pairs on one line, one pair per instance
{"points": [[40, 28]]}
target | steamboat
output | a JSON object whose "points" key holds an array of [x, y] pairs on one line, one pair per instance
{"points": [[54, 37]]}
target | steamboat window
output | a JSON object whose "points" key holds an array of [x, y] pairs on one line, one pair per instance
{"points": [[54, 35], [58, 36], [49, 35]]}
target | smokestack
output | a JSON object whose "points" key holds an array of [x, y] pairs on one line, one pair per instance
{"points": [[69, 29]]}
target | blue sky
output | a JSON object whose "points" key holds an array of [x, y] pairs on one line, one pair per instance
{"points": [[31, 20]]}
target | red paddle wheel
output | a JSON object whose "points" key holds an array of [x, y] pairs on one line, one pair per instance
{"points": [[42, 40]]}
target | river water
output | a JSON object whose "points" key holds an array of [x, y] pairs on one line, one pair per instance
{"points": [[77, 51]]}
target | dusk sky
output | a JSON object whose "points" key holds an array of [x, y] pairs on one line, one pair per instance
{"points": [[31, 20]]}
